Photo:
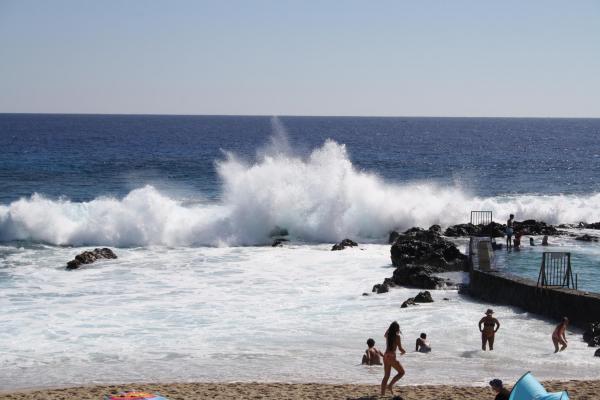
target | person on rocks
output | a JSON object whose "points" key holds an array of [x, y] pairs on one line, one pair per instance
{"points": [[501, 392], [559, 335], [488, 326], [422, 346], [393, 342], [372, 355], [509, 230]]}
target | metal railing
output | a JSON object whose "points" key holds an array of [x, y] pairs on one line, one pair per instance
{"points": [[481, 217], [556, 271]]}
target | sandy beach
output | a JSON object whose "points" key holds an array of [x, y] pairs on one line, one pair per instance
{"points": [[579, 390]]}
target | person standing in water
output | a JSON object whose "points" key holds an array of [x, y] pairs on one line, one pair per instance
{"points": [[393, 342], [488, 326], [509, 230], [559, 335]]}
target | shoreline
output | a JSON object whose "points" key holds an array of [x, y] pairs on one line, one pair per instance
{"points": [[578, 389]]}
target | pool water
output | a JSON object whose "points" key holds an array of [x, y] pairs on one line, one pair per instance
{"points": [[585, 258]]}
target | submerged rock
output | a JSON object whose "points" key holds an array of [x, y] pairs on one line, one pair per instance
{"points": [[424, 297], [88, 257], [343, 244], [380, 288], [587, 238], [409, 302], [279, 242]]}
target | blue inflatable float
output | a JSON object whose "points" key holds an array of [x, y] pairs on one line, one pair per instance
{"points": [[528, 388]]}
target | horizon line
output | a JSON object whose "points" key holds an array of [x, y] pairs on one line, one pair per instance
{"points": [[287, 115]]}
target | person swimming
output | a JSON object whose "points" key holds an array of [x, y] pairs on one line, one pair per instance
{"points": [[559, 335], [489, 329], [422, 346], [393, 342], [372, 355]]}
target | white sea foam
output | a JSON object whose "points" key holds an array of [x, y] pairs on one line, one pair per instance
{"points": [[320, 198], [248, 314]]}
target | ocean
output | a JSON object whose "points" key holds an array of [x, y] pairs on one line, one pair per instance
{"points": [[197, 293]]}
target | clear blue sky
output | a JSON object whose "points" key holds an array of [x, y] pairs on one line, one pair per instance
{"points": [[438, 58]]}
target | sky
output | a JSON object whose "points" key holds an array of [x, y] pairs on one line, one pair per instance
{"points": [[370, 58]]}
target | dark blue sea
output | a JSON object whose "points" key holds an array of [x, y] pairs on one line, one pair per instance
{"points": [[85, 156]]}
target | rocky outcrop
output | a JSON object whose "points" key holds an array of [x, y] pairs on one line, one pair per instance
{"points": [[593, 225], [533, 227], [597, 353], [279, 242], [417, 254], [380, 288], [587, 238], [426, 247], [494, 230], [592, 334], [88, 257], [343, 244], [422, 297], [529, 227]]}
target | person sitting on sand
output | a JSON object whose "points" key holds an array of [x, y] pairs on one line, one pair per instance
{"points": [[498, 388], [490, 327], [545, 240], [509, 231], [422, 345], [393, 342], [372, 356], [559, 335]]}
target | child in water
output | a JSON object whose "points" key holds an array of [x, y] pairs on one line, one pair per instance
{"points": [[422, 346], [372, 355]]}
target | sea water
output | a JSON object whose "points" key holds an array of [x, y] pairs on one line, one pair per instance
{"points": [[188, 204]]}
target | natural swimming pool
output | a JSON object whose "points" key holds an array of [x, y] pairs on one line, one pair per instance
{"points": [[585, 258]]}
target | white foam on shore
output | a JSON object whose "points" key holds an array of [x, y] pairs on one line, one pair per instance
{"points": [[247, 314], [322, 198]]}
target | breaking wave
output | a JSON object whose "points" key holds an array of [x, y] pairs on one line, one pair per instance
{"points": [[320, 198]]}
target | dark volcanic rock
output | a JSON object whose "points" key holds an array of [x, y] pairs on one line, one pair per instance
{"points": [[533, 227], [409, 302], [88, 257], [594, 225], [343, 244], [418, 254], [423, 297], [587, 238], [494, 229], [279, 242], [592, 334], [416, 276], [597, 353], [380, 288], [427, 248]]}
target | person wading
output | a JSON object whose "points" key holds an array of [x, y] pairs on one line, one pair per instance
{"points": [[488, 326]]}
